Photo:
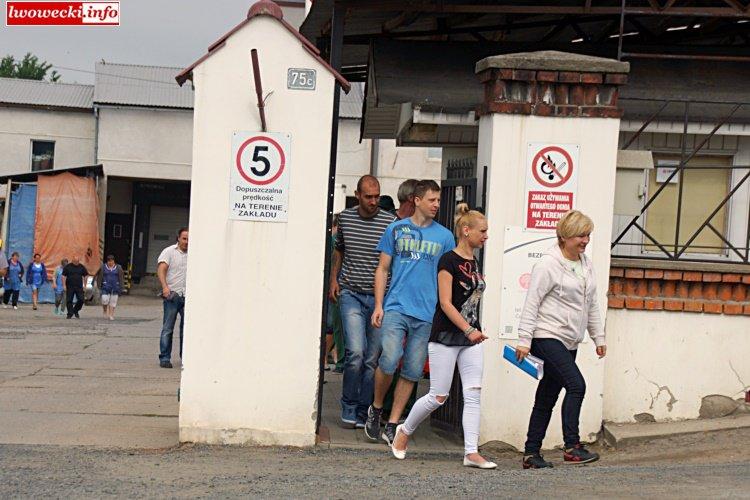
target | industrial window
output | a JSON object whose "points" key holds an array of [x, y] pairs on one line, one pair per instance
{"points": [[42, 155], [703, 189]]}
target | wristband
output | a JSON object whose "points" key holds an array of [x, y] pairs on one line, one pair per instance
{"points": [[469, 331]]}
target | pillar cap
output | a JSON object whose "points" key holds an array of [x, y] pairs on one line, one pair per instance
{"points": [[265, 8], [553, 60]]}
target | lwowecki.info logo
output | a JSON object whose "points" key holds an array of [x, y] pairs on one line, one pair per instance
{"points": [[62, 13]]}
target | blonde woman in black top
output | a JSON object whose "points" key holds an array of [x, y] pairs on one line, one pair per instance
{"points": [[456, 338]]}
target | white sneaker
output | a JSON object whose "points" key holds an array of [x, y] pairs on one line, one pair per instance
{"points": [[15, 307], [5, 306], [399, 454], [111, 318], [484, 465]]}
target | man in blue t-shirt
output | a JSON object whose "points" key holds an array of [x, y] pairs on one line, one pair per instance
{"points": [[410, 249]]}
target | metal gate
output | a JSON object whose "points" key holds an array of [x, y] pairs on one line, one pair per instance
{"points": [[460, 186]]}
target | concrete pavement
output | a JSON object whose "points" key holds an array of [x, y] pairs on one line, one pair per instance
{"points": [[89, 381]]}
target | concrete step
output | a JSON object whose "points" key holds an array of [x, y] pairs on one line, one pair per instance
{"points": [[619, 435]]}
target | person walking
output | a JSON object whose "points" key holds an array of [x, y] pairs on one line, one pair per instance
{"points": [[110, 279], [409, 250], [352, 286], [456, 338], [405, 197], [57, 286], [12, 282], [172, 273], [74, 278], [560, 306], [36, 277]]}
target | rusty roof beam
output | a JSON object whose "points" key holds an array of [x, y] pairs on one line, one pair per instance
{"points": [[432, 8], [739, 6], [403, 19]]}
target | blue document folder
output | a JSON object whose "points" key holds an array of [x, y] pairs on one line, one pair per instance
{"points": [[530, 364]]}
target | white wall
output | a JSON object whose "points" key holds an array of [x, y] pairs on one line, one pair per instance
{"points": [[146, 143], [72, 131], [664, 363], [252, 337], [508, 394], [394, 164]]}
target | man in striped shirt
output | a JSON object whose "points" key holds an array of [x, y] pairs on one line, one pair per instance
{"points": [[352, 285]]}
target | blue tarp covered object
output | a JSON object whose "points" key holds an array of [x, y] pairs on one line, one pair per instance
{"points": [[21, 236]]}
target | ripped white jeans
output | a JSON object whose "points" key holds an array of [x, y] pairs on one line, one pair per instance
{"points": [[443, 360]]}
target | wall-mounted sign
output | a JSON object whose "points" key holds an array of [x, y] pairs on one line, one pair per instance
{"points": [[551, 183], [259, 179], [300, 79], [664, 169]]}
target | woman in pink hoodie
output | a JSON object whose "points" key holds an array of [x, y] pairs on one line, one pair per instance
{"points": [[560, 306]]}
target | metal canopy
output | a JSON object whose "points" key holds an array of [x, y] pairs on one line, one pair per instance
{"points": [[688, 29]]}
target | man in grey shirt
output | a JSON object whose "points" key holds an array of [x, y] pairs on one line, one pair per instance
{"points": [[172, 271]]}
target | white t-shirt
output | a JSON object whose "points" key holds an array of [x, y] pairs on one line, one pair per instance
{"points": [[176, 261]]}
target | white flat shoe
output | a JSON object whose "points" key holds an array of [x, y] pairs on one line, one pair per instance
{"points": [[399, 454], [483, 465]]}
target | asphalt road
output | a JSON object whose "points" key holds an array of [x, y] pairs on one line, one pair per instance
{"points": [[224, 472]]}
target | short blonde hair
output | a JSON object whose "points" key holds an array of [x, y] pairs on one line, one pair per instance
{"points": [[573, 223], [466, 218]]}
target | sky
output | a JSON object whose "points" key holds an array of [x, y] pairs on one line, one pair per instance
{"points": [[151, 32]]}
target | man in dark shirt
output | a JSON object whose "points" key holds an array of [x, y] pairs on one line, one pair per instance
{"points": [[74, 277]]}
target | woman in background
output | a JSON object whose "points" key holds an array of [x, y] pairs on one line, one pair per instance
{"points": [[36, 277]]}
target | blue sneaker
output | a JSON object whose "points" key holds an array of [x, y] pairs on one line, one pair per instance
{"points": [[360, 423], [348, 419]]}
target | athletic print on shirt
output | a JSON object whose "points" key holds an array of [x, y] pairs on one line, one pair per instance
{"points": [[411, 246]]}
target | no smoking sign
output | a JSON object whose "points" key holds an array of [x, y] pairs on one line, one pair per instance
{"points": [[551, 183], [259, 178], [552, 166]]}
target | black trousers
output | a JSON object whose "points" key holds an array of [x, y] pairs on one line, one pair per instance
{"points": [[560, 371], [11, 294], [78, 294]]}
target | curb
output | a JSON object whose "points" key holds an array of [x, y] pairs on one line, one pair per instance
{"points": [[618, 435]]}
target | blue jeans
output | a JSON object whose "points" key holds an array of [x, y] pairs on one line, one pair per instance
{"points": [[395, 328], [560, 371], [361, 350], [171, 309]]}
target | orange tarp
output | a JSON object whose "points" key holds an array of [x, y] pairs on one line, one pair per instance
{"points": [[67, 221]]}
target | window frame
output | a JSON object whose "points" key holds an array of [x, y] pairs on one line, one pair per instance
{"points": [[31, 154]]}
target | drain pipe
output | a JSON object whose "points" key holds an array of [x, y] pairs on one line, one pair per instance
{"points": [[258, 89]]}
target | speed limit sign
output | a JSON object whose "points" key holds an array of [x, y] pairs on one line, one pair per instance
{"points": [[259, 189]]}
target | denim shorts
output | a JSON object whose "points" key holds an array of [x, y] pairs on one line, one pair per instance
{"points": [[397, 327]]}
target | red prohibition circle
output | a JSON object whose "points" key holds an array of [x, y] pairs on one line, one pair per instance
{"points": [[242, 149], [541, 155]]}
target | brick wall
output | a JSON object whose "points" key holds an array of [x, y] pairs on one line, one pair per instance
{"points": [[551, 93], [681, 291]]}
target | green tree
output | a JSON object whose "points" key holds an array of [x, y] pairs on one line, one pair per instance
{"points": [[28, 68]]}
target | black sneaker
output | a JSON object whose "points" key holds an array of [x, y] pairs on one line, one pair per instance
{"points": [[579, 455], [535, 461], [165, 364], [372, 425], [389, 433], [77, 315]]}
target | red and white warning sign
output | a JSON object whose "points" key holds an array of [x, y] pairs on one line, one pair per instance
{"points": [[551, 183], [259, 179]]}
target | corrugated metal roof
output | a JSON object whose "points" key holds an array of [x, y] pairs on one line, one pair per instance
{"points": [[39, 93], [140, 86], [350, 105]]}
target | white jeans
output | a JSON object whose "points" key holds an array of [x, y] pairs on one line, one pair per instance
{"points": [[443, 360]]}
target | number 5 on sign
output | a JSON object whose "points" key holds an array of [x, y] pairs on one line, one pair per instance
{"points": [[259, 177]]}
